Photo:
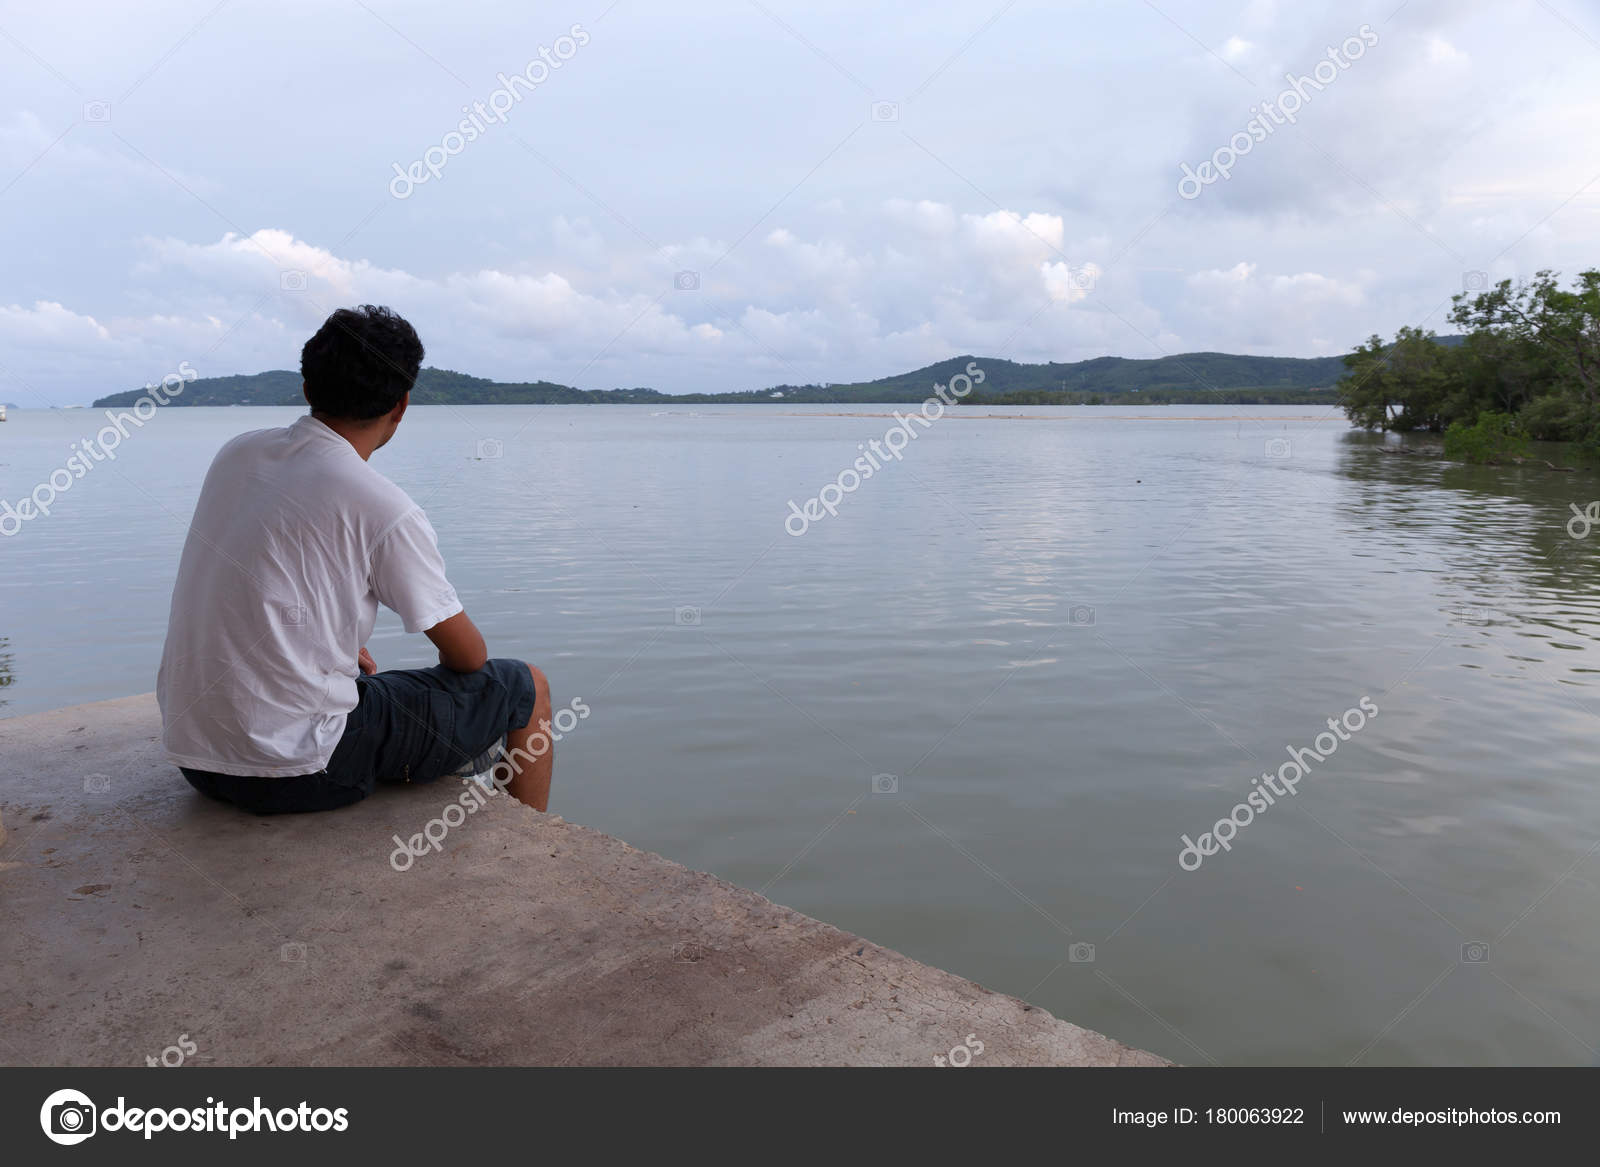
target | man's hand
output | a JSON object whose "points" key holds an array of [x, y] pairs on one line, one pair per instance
{"points": [[366, 663]]}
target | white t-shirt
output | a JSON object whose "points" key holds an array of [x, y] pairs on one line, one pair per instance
{"points": [[295, 542]]}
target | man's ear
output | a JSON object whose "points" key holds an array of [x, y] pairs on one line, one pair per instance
{"points": [[399, 411], [305, 394]]}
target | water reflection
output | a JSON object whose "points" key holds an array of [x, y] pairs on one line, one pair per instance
{"points": [[6, 673], [1493, 541], [1070, 638]]}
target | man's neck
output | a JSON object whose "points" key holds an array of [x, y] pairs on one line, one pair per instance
{"points": [[364, 436]]}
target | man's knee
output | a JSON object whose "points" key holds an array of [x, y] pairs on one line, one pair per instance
{"points": [[541, 689]]}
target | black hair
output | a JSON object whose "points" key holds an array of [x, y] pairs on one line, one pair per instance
{"points": [[361, 362]]}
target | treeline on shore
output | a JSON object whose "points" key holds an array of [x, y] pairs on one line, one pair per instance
{"points": [[1526, 367]]}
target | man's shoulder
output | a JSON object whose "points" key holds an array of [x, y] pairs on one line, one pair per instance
{"points": [[320, 477], [239, 456], [387, 502], [252, 439]]}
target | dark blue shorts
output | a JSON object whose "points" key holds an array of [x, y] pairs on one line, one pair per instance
{"points": [[409, 725]]}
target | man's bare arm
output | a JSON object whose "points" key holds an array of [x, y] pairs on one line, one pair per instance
{"points": [[460, 644]]}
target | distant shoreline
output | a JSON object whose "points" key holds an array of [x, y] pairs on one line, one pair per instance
{"points": [[974, 416], [1183, 379], [971, 411]]}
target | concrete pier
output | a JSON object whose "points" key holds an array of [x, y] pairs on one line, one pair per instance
{"points": [[139, 920]]}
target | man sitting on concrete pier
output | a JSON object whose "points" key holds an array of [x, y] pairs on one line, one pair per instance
{"points": [[269, 697]]}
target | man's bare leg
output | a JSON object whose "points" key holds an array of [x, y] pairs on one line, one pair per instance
{"points": [[532, 751]]}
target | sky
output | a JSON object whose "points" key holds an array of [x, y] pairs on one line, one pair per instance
{"points": [[731, 194]]}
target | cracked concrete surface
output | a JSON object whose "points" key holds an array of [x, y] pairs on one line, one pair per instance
{"points": [[132, 911]]}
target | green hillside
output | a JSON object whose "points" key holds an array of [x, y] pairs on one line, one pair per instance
{"points": [[434, 387], [1190, 377], [1194, 377]]}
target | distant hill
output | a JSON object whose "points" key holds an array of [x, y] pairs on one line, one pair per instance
{"points": [[1188, 377], [279, 387], [434, 387], [1195, 377]]}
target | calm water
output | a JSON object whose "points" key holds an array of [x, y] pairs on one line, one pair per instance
{"points": [[1070, 637]]}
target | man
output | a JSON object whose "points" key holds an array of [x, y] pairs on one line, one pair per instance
{"points": [[269, 698]]}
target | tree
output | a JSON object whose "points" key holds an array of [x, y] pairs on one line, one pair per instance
{"points": [[1537, 340], [1401, 386], [1494, 437], [1530, 352]]}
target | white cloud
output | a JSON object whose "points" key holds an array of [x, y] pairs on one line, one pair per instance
{"points": [[1263, 306], [1043, 158], [1239, 273], [908, 282], [49, 324], [1066, 283]]}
